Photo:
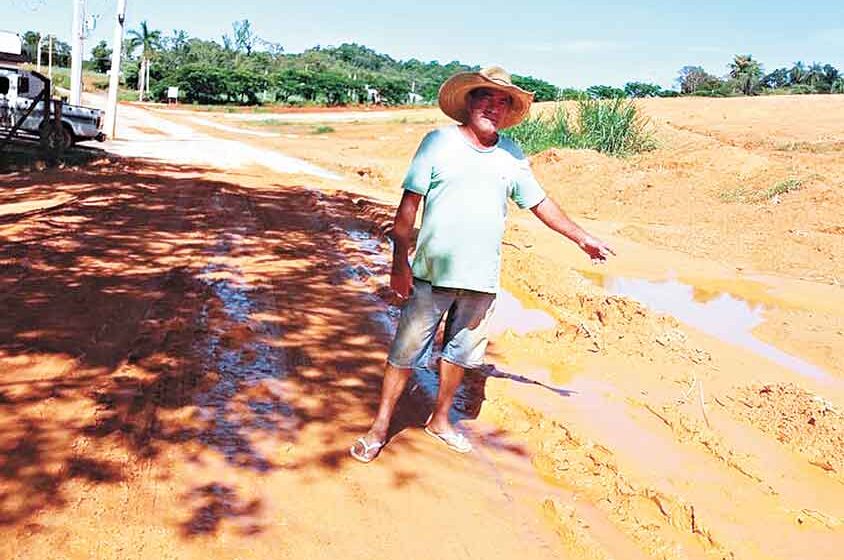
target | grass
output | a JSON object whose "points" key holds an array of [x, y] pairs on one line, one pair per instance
{"points": [[614, 127], [91, 81], [750, 196], [537, 134], [273, 122], [323, 129]]}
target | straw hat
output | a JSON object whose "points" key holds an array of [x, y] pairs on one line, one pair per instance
{"points": [[454, 94]]}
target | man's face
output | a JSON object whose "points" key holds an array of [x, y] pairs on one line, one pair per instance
{"points": [[487, 109]]}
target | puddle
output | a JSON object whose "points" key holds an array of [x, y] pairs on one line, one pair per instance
{"points": [[510, 314], [724, 316], [247, 400]]}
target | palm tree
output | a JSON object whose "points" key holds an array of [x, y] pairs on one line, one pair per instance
{"points": [[815, 75], [831, 74], [148, 41], [797, 74], [746, 72]]}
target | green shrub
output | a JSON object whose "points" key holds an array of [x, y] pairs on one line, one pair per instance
{"points": [[613, 126], [535, 134], [322, 129]]}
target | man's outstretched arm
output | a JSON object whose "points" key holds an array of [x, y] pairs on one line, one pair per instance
{"points": [[401, 279], [553, 216]]}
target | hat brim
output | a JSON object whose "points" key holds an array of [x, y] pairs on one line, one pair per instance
{"points": [[454, 97]]}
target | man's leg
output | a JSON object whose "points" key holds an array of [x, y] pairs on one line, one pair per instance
{"points": [[465, 343], [367, 447], [395, 380], [450, 377]]}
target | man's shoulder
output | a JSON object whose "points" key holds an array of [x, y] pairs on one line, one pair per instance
{"points": [[510, 146], [437, 139], [442, 133], [512, 149]]}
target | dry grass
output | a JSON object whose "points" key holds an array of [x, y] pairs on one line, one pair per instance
{"points": [[748, 195]]}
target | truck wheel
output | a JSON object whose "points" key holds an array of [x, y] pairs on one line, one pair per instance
{"points": [[55, 141], [66, 138]]}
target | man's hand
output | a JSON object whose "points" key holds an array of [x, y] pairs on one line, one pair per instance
{"points": [[553, 217], [595, 248], [401, 281], [401, 278]]}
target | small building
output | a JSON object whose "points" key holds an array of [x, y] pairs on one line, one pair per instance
{"points": [[373, 95], [11, 48]]}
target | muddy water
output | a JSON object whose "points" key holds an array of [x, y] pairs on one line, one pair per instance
{"points": [[725, 316], [246, 399]]}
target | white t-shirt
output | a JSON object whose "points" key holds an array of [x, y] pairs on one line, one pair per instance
{"points": [[466, 191]]}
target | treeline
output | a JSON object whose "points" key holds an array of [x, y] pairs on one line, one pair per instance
{"points": [[747, 76], [243, 68], [61, 50]]}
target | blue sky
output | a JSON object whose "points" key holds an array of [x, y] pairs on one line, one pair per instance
{"points": [[573, 44]]}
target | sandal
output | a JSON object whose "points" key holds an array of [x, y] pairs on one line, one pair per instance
{"points": [[368, 448], [454, 441]]}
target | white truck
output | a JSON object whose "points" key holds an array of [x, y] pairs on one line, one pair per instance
{"points": [[19, 89], [23, 94]]}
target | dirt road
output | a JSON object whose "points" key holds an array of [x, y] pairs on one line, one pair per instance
{"points": [[194, 335]]}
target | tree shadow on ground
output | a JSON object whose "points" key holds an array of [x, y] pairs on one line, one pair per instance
{"points": [[168, 311]]}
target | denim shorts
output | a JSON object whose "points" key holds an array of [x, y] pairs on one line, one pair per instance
{"points": [[465, 338]]}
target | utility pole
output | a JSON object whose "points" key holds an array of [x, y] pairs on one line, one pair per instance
{"points": [[77, 38], [50, 61], [38, 55], [114, 76]]}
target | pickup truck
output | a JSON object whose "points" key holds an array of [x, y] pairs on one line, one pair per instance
{"points": [[18, 90]]}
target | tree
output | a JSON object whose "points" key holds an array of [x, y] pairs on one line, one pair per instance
{"points": [[837, 86], [30, 45], [201, 83], [101, 56], [641, 89], [746, 72], [61, 53], [797, 74], [604, 92], [814, 76], [572, 94], [543, 91], [831, 75], [244, 37], [777, 79], [694, 78], [148, 41]]}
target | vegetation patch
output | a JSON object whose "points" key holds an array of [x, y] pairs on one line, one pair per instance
{"points": [[538, 133], [323, 129], [753, 196], [611, 126]]}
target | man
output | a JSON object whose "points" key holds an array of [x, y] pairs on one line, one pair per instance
{"points": [[466, 173]]}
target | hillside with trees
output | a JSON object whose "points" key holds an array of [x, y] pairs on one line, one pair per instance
{"points": [[245, 69]]}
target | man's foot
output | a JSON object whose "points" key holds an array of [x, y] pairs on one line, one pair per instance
{"points": [[366, 448], [446, 433], [454, 440]]}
